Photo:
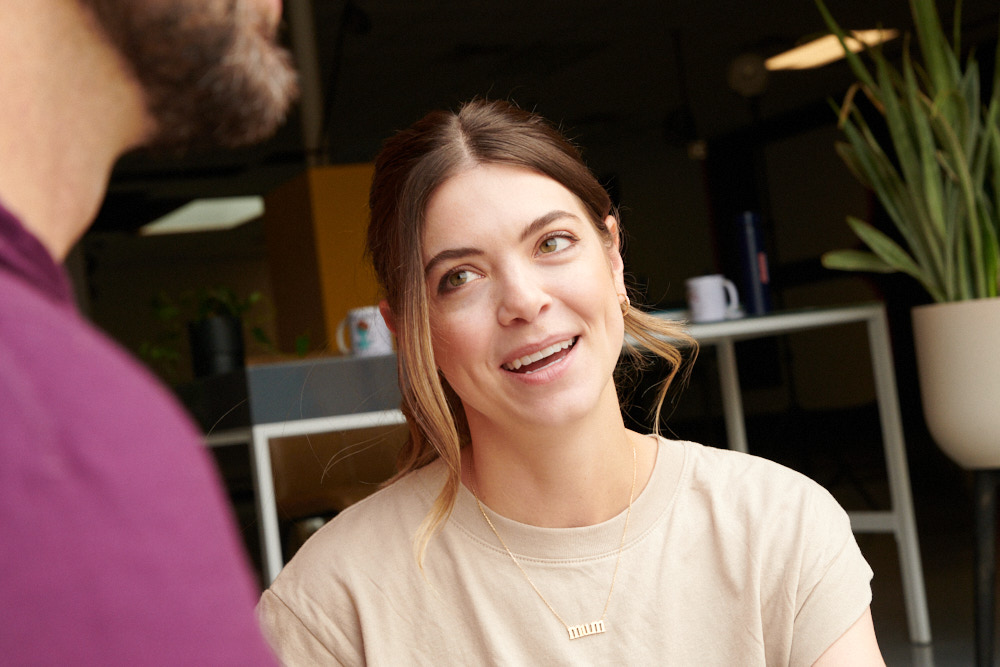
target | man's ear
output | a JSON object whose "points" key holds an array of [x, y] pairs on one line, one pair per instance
{"points": [[390, 321]]}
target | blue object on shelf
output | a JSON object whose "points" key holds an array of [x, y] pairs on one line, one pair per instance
{"points": [[755, 273]]}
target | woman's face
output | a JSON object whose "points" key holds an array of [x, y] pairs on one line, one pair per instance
{"points": [[523, 292]]}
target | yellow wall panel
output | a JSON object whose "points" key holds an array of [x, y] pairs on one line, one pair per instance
{"points": [[315, 233], [340, 219]]}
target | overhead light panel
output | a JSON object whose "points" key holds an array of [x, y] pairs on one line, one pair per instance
{"points": [[827, 49], [202, 215]]}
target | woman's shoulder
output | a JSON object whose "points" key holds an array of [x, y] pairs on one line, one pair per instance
{"points": [[384, 523], [752, 487], [763, 511], [411, 494], [727, 468], [777, 537]]}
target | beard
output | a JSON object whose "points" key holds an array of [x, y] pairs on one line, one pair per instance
{"points": [[211, 71]]}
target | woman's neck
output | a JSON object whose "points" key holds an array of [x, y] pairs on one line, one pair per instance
{"points": [[576, 476]]}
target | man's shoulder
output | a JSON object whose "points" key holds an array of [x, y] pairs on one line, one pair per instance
{"points": [[64, 380]]}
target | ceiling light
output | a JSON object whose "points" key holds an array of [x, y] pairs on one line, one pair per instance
{"points": [[827, 49], [202, 215]]}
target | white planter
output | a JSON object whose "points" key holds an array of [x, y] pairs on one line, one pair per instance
{"points": [[958, 361]]}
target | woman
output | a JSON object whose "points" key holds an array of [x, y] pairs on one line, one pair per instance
{"points": [[527, 524]]}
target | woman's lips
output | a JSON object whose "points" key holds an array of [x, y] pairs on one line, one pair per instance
{"points": [[539, 360]]}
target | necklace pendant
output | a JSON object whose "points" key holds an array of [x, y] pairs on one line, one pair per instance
{"points": [[586, 629]]}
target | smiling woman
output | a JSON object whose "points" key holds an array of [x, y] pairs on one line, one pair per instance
{"points": [[527, 525], [536, 279]]}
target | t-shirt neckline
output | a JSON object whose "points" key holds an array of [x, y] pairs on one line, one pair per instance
{"points": [[598, 541]]}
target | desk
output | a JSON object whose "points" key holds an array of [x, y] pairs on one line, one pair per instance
{"points": [[900, 519], [301, 397]]}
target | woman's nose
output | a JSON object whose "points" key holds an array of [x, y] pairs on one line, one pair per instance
{"points": [[522, 297]]}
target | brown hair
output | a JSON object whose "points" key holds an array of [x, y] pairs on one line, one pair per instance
{"points": [[410, 167]]}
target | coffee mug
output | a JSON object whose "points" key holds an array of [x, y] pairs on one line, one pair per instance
{"points": [[712, 298], [369, 335]]}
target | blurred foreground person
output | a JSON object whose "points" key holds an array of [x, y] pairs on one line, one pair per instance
{"points": [[116, 542]]}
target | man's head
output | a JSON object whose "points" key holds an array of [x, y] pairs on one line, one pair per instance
{"points": [[211, 70]]}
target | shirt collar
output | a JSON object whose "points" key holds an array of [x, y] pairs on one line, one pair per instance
{"points": [[24, 256]]}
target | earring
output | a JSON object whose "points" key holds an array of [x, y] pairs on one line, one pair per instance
{"points": [[625, 303]]}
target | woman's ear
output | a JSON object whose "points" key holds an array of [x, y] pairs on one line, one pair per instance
{"points": [[615, 255], [390, 321]]}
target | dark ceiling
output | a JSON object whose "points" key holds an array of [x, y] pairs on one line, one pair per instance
{"points": [[601, 68]]}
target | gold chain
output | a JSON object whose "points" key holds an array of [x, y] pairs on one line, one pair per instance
{"points": [[575, 631]]}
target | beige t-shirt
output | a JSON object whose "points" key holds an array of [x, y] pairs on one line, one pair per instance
{"points": [[730, 559]]}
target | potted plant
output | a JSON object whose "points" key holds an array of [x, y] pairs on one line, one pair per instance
{"points": [[938, 178], [215, 321], [216, 331]]}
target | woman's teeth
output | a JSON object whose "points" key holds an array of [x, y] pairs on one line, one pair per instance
{"points": [[538, 356]]}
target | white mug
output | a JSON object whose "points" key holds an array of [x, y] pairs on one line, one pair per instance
{"points": [[370, 337], [712, 298]]}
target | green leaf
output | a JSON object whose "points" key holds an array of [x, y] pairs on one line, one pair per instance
{"points": [[849, 155], [991, 143], [938, 176], [855, 260], [889, 186], [889, 252], [302, 344], [853, 60], [956, 27], [915, 153], [991, 262], [930, 174], [955, 158], [896, 121], [933, 45], [261, 336]]}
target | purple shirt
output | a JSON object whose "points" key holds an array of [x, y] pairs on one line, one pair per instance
{"points": [[116, 540]]}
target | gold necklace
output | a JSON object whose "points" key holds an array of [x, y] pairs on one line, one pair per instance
{"points": [[584, 629]]}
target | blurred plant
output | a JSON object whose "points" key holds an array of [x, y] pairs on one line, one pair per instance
{"points": [[224, 302], [163, 352], [303, 342], [938, 179]]}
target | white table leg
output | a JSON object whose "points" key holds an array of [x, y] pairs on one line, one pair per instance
{"points": [[267, 510], [899, 481], [732, 399]]}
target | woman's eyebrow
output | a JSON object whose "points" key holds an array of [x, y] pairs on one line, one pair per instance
{"points": [[452, 253], [530, 230], [541, 222]]}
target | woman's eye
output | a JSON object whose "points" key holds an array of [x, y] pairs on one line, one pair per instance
{"points": [[456, 279], [554, 244]]}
